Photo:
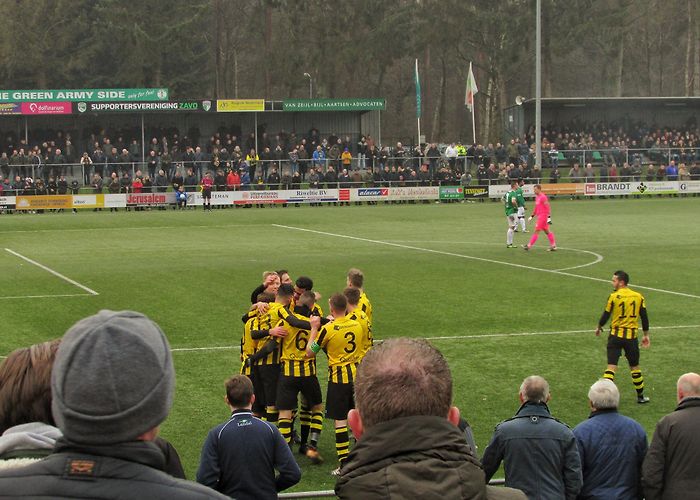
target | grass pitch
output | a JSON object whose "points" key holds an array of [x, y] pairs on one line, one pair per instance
{"points": [[439, 271]]}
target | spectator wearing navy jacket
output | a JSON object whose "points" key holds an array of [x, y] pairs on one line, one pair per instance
{"points": [[240, 456], [612, 447]]}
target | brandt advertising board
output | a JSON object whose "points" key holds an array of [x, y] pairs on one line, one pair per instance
{"points": [[627, 188]]}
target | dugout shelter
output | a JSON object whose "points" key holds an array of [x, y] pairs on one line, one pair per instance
{"points": [[672, 112], [29, 114]]}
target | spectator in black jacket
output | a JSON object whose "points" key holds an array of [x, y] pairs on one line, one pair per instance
{"points": [[331, 178], [161, 182], [240, 456], [112, 384]]}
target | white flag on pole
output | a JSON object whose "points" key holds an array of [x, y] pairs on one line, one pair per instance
{"points": [[472, 89]]}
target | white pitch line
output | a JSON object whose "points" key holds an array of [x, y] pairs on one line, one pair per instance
{"points": [[598, 257], [46, 296], [132, 228], [214, 348], [480, 259], [455, 337], [528, 334], [55, 273]]}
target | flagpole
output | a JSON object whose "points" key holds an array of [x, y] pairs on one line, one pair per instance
{"points": [[473, 127], [418, 133], [470, 100]]}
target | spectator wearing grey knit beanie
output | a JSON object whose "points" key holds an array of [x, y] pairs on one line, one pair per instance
{"points": [[112, 383]]}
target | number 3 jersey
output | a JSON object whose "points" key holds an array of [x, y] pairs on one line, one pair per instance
{"points": [[342, 340]]}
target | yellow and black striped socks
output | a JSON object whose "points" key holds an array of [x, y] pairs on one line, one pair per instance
{"points": [[638, 381], [609, 374], [285, 427], [271, 414], [342, 443], [316, 427], [305, 423]]}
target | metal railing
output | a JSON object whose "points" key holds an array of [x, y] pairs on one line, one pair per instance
{"points": [[257, 168], [331, 493]]}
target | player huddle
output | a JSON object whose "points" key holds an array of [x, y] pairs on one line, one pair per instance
{"points": [[284, 331]]}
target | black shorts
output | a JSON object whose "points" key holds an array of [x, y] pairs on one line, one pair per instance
{"points": [[615, 347], [289, 388], [206, 194], [258, 405], [265, 379], [340, 399]]}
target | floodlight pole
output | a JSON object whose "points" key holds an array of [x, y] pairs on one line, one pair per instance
{"points": [[538, 86]]}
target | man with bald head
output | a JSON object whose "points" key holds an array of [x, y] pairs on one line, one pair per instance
{"points": [[672, 466], [408, 441], [539, 452]]}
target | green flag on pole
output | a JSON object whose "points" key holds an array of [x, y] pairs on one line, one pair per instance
{"points": [[417, 78]]}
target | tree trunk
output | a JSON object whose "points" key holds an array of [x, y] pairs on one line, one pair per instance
{"points": [[486, 125], [436, 129], [659, 41], [696, 63], [620, 67], [218, 64], [546, 54], [235, 73], [689, 51], [647, 55], [268, 47], [427, 91]]}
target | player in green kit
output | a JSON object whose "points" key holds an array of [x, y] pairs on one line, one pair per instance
{"points": [[511, 206], [520, 197]]}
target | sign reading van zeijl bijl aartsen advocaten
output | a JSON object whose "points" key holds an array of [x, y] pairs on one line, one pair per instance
{"points": [[351, 104]]}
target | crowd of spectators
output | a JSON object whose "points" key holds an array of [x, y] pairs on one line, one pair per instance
{"points": [[116, 162], [635, 143]]}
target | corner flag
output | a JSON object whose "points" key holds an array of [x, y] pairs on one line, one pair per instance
{"points": [[471, 89]]}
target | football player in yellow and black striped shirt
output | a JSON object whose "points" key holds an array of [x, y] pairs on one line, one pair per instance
{"points": [[249, 347], [298, 375], [356, 279], [625, 306], [266, 359], [355, 313], [301, 285], [306, 284], [340, 340]]}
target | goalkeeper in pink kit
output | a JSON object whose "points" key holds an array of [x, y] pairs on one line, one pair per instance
{"points": [[542, 212]]}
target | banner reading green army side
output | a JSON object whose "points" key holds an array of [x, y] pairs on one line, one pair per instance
{"points": [[88, 95], [351, 104]]}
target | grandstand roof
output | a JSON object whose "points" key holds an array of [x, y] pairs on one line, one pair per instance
{"points": [[578, 101]]}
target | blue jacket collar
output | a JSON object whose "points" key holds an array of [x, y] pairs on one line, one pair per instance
{"points": [[602, 412], [529, 409]]}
